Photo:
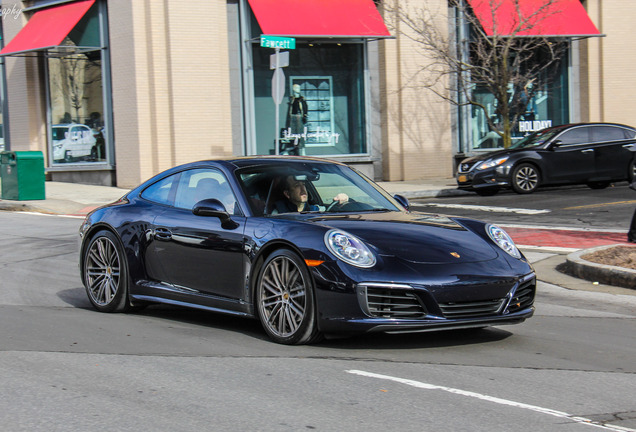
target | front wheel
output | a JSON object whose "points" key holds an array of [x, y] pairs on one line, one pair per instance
{"points": [[105, 273], [525, 179], [285, 299]]}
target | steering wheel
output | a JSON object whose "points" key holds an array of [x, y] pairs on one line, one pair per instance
{"points": [[339, 204]]}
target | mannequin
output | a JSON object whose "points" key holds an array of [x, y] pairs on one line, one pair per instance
{"points": [[297, 116]]}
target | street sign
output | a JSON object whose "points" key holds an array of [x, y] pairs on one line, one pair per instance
{"points": [[280, 59], [278, 42], [278, 86]]}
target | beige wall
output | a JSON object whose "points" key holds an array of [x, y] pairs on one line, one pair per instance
{"points": [[416, 122], [171, 84], [608, 93]]}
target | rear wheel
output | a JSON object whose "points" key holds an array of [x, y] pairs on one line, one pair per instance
{"points": [[525, 178], [105, 273], [631, 175], [285, 299]]}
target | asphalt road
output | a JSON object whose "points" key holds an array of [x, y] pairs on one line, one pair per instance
{"points": [[64, 366], [571, 206]]}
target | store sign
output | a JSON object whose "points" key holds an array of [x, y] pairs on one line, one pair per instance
{"points": [[534, 125], [278, 42], [309, 136]]}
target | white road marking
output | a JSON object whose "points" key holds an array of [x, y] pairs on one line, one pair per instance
{"points": [[548, 411], [490, 208]]}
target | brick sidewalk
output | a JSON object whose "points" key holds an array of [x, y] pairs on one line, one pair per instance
{"points": [[564, 238]]}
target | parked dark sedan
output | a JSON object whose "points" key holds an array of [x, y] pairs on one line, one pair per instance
{"points": [[595, 154], [216, 235]]}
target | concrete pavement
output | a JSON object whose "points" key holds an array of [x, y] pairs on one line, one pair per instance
{"points": [[546, 248]]}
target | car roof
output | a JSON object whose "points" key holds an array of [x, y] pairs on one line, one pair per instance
{"points": [[232, 164], [571, 125]]}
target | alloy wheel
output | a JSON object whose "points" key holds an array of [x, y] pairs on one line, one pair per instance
{"points": [[526, 179], [283, 297], [102, 271]]}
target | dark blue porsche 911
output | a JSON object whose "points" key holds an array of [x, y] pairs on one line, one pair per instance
{"points": [[309, 247]]}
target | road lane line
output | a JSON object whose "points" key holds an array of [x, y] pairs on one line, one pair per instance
{"points": [[600, 205], [538, 409], [489, 208]]}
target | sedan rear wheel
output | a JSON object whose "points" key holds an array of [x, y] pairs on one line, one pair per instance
{"points": [[105, 273], [525, 179], [284, 296]]}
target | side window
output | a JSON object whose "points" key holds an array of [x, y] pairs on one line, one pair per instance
{"points": [[607, 133], [160, 192], [579, 135], [199, 184]]}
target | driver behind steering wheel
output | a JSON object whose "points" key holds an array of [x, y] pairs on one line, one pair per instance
{"points": [[296, 196]]}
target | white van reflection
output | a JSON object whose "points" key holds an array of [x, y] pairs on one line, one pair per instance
{"points": [[72, 142]]}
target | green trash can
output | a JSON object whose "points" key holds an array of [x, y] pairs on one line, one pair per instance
{"points": [[22, 175]]}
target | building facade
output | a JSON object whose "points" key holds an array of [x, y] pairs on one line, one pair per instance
{"points": [[118, 90]]}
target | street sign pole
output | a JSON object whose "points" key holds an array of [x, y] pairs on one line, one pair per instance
{"points": [[276, 89], [278, 61]]}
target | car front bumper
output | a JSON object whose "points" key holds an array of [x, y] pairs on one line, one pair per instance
{"points": [[489, 178], [467, 301]]}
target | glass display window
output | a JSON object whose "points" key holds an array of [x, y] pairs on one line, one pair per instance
{"points": [[323, 112], [77, 128]]}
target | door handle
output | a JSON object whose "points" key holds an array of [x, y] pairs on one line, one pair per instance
{"points": [[587, 150], [629, 145], [163, 234]]}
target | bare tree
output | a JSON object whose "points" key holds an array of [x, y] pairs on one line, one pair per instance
{"points": [[76, 74], [465, 65]]}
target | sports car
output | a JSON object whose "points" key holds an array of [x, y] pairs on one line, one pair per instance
{"points": [[213, 235]]}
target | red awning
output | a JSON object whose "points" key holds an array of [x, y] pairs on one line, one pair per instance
{"points": [[319, 18], [47, 28], [561, 18]]}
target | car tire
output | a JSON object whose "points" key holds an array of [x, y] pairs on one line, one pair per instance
{"points": [[631, 175], [285, 299], [525, 178], [598, 184], [105, 273], [68, 158], [487, 191]]}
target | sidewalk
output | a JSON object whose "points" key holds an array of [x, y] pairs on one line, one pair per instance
{"points": [[545, 248]]}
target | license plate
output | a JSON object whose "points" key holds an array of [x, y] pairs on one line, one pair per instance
{"points": [[462, 179]]}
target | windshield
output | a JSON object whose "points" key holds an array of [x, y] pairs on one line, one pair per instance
{"points": [[311, 187], [59, 133], [536, 139]]}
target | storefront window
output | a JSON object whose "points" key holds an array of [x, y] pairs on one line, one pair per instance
{"points": [[539, 106], [77, 129], [323, 113]]}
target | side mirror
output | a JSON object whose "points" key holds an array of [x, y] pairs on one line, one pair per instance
{"points": [[214, 208], [555, 144], [403, 201]]}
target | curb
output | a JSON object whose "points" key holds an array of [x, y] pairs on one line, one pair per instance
{"points": [[19, 207], [432, 193], [601, 273]]}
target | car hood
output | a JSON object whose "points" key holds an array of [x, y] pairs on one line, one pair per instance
{"points": [[491, 155], [413, 237]]}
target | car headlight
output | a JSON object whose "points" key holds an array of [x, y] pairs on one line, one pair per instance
{"points": [[490, 163], [349, 249], [503, 240]]}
